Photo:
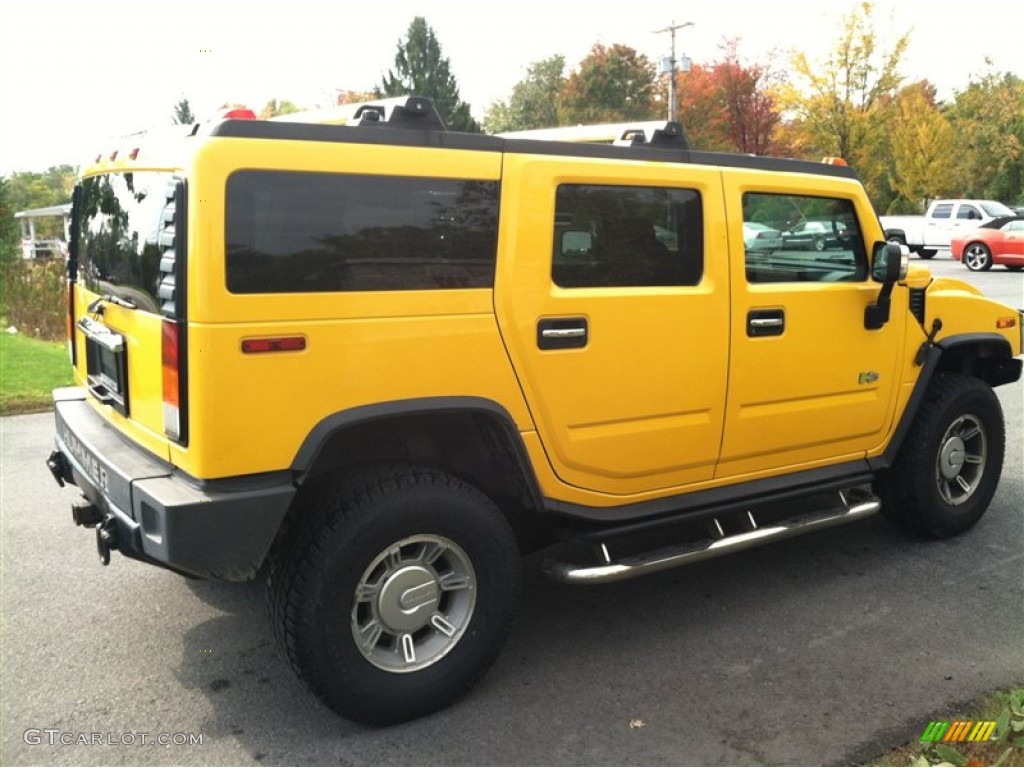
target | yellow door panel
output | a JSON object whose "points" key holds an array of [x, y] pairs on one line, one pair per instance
{"points": [[637, 405], [809, 382]]}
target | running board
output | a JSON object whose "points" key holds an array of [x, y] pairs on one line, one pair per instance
{"points": [[720, 544]]}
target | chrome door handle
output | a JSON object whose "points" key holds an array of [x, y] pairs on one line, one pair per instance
{"points": [[562, 333]]}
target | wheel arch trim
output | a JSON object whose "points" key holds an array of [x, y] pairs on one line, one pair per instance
{"points": [[1006, 370], [360, 416]]}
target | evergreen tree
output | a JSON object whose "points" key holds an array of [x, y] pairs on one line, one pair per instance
{"points": [[534, 101], [9, 235], [421, 70], [183, 113]]}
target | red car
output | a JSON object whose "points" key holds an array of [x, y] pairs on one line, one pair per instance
{"points": [[1000, 241]]}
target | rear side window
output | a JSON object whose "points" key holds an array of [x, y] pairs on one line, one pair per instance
{"points": [[944, 211], [609, 236], [294, 232]]}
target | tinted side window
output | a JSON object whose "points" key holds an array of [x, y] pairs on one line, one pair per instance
{"points": [[969, 213], [627, 236], [290, 232], [944, 211], [794, 238]]}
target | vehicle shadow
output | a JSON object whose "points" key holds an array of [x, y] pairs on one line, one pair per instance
{"points": [[715, 642]]}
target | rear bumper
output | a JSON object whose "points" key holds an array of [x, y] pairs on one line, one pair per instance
{"points": [[220, 529]]}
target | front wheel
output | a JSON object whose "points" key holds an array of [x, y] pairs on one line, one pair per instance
{"points": [[947, 470], [977, 257], [394, 594]]}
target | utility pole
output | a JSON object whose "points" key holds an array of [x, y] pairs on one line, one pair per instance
{"points": [[671, 69]]}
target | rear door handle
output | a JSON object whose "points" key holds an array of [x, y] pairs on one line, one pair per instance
{"points": [[562, 333], [766, 322]]}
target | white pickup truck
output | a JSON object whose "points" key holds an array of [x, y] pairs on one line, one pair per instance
{"points": [[926, 235]]}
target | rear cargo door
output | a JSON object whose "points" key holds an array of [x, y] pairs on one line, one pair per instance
{"points": [[612, 297], [126, 250]]}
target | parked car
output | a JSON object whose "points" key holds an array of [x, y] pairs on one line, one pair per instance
{"points": [[815, 234], [760, 237], [1001, 241], [944, 220]]}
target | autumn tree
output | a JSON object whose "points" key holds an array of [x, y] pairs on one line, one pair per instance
{"points": [[988, 120], [729, 105], [276, 108], [612, 84], [535, 99], [844, 104], [921, 139], [700, 109], [421, 70]]}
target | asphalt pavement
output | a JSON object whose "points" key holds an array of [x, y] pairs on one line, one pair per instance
{"points": [[823, 649]]}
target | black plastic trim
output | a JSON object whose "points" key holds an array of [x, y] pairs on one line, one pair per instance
{"points": [[307, 454], [695, 504], [181, 304], [262, 129], [933, 356]]}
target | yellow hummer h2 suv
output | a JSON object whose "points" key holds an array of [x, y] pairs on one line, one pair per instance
{"points": [[379, 361]]}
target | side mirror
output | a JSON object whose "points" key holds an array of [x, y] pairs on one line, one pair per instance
{"points": [[890, 263]]}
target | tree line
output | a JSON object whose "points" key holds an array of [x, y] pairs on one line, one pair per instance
{"points": [[907, 146]]}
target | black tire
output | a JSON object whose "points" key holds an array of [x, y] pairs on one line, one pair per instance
{"points": [[818, 243], [394, 532], [898, 239], [934, 488], [1014, 267], [926, 253], [977, 257]]}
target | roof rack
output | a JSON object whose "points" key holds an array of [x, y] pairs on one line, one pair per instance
{"points": [[651, 133], [403, 112]]}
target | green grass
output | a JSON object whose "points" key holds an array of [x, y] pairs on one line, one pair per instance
{"points": [[29, 370]]}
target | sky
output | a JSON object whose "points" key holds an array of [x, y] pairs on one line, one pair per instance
{"points": [[75, 75]]}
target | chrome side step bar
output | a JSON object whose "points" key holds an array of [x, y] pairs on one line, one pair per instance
{"points": [[720, 544]]}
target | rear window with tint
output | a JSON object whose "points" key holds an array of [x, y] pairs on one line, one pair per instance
{"points": [[296, 232]]}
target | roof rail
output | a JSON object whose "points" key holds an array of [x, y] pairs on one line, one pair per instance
{"points": [[403, 112], [651, 133]]}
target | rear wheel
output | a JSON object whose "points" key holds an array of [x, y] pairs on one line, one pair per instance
{"points": [[392, 597], [926, 253], [977, 257], [949, 465]]}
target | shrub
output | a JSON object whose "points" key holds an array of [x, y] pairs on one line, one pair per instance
{"points": [[33, 297]]}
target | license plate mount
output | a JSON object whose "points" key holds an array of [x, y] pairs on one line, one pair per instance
{"points": [[106, 362]]}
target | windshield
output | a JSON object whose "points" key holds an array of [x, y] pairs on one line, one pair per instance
{"points": [[996, 209], [119, 224]]}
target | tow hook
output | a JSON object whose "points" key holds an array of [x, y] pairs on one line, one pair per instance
{"points": [[58, 466], [106, 539]]}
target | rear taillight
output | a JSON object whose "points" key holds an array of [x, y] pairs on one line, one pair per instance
{"points": [[174, 326], [71, 321], [170, 359]]}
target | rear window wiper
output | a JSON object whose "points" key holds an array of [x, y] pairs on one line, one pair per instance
{"points": [[96, 308]]}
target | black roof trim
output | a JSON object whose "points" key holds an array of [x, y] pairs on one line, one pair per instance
{"points": [[348, 134], [263, 129]]}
